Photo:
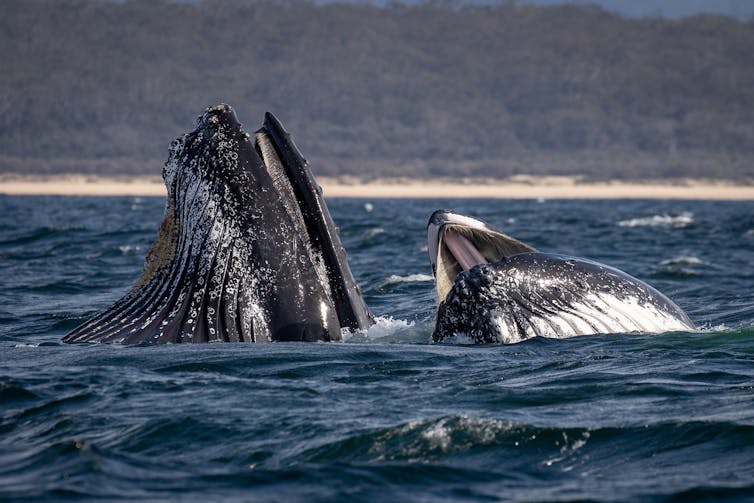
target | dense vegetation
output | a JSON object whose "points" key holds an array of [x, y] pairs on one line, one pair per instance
{"points": [[400, 90]]}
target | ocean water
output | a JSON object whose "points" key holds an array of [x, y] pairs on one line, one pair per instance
{"points": [[385, 415]]}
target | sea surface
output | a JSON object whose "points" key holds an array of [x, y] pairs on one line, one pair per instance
{"points": [[385, 415]]}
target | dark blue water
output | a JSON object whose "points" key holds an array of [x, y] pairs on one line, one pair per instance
{"points": [[386, 415]]}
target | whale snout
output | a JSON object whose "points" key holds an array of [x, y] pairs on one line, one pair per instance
{"points": [[221, 115]]}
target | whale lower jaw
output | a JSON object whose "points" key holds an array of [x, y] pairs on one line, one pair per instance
{"points": [[247, 251]]}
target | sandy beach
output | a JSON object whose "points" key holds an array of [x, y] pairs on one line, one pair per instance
{"points": [[519, 187]]}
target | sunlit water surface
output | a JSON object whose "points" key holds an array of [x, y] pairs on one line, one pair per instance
{"points": [[386, 415]]}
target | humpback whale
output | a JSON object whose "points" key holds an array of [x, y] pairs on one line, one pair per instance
{"points": [[246, 252], [493, 288]]}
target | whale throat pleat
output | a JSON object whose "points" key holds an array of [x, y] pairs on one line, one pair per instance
{"points": [[534, 294]]}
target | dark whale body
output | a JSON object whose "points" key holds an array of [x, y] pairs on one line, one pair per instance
{"points": [[246, 252], [495, 289], [538, 294]]}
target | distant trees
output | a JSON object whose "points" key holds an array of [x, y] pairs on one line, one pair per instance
{"points": [[425, 90]]}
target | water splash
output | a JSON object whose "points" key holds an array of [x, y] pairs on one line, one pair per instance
{"points": [[411, 278], [387, 329]]}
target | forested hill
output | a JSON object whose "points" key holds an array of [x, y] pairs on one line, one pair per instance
{"points": [[422, 90]]}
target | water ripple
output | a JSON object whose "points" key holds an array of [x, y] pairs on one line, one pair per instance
{"points": [[386, 414]]}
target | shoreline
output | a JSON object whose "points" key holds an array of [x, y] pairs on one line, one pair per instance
{"points": [[517, 187]]}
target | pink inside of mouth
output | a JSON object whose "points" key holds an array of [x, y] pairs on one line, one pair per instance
{"points": [[464, 252]]}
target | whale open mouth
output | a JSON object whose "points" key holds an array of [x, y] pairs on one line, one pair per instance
{"points": [[456, 243], [464, 252], [305, 205]]}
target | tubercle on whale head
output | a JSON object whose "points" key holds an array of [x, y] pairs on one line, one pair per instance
{"points": [[218, 125], [221, 113], [219, 159]]}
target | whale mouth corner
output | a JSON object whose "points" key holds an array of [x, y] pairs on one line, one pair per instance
{"points": [[457, 243]]}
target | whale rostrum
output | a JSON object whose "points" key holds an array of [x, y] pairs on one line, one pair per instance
{"points": [[246, 252]]}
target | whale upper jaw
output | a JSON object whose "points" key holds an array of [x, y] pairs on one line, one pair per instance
{"points": [[458, 242], [247, 250]]}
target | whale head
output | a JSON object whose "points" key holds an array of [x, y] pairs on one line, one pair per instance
{"points": [[246, 251], [495, 289], [456, 243]]}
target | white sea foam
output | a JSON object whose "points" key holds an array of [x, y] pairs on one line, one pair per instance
{"points": [[671, 221], [683, 265], [373, 233], [388, 329], [474, 431], [411, 278], [418, 439], [707, 327], [683, 260], [568, 449], [368, 207], [387, 325], [129, 249]]}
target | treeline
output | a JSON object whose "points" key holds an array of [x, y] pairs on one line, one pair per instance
{"points": [[423, 90]]}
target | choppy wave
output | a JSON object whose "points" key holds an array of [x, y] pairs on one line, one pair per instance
{"points": [[386, 415], [683, 260], [684, 265], [679, 221], [419, 440], [373, 233]]}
